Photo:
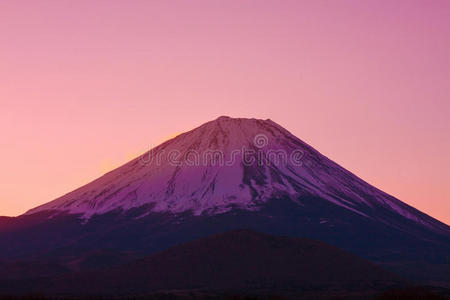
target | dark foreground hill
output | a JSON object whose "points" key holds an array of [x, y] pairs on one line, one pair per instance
{"points": [[234, 262]]}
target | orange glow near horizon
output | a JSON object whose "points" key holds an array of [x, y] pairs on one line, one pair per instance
{"points": [[85, 85]]}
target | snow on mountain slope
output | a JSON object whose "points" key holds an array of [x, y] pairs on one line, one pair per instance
{"points": [[225, 164]]}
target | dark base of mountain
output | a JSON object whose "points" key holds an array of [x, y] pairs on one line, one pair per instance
{"points": [[36, 245]]}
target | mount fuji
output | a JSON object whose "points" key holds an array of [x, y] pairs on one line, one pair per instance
{"points": [[231, 163], [229, 173]]}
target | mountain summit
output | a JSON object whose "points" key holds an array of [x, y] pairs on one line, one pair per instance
{"points": [[232, 163]]}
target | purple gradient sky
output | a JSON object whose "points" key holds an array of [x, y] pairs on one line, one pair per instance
{"points": [[87, 85]]}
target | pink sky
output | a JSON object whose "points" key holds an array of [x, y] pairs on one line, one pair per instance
{"points": [[87, 85]]}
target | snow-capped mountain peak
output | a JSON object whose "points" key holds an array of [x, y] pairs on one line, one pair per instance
{"points": [[226, 164]]}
